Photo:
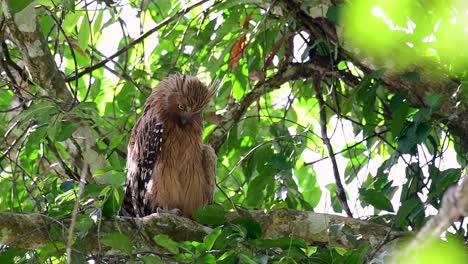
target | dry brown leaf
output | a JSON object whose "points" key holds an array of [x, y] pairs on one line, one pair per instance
{"points": [[236, 52], [239, 45]]}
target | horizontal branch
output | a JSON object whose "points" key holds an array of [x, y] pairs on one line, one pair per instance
{"points": [[33, 231]]}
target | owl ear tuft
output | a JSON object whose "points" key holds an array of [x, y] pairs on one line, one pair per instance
{"points": [[214, 87]]}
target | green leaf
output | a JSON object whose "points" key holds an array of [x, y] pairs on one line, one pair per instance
{"points": [[16, 6], [118, 241], [405, 210], [92, 190], [152, 260], [9, 256], [167, 243], [112, 203], [210, 239], [333, 14], [83, 33], [245, 258], [116, 141], [331, 187], [67, 185], [283, 243], [122, 98], [228, 257], [83, 223], [64, 130], [354, 151], [412, 76], [69, 5], [205, 259], [377, 199], [98, 22], [435, 100], [254, 230], [400, 109], [209, 215], [358, 255], [6, 96]]}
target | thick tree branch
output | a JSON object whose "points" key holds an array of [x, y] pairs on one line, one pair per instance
{"points": [[24, 31], [454, 205], [313, 228]]}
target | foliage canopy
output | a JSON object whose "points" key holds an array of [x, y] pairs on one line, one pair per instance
{"points": [[317, 111]]}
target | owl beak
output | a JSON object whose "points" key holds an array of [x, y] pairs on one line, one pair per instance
{"points": [[185, 118]]}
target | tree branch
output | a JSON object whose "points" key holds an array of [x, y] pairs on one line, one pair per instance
{"points": [[433, 79], [24, 31], [340, 192], [163, 23], [454, 205], [313, 228], [291, 72]]}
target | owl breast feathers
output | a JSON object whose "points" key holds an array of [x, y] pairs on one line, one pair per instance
{"points": [[168, 166]]}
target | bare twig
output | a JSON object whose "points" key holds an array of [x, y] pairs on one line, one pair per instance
{"points": [[77, 205], [340, 192]]}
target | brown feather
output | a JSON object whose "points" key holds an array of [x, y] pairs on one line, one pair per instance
{"points": [[184, 171]]}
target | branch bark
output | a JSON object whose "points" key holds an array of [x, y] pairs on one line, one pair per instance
{"points": [[313, 228], [340, 191], [24, 31]]}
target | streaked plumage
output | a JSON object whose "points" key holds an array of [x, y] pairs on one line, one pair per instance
{"points": [[168, 166]]}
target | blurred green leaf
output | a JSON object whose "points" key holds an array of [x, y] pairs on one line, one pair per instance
{"points": [[83, 34], [209, 215], [210, 239], [152, 260], [16, 6], [377, 199], [412, 76], [167, 243], [283, 243], [118, 241], [253, 228]]}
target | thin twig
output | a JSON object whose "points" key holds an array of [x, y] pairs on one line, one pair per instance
{"points": [[340, 192], [163, 23], [77, 205]]}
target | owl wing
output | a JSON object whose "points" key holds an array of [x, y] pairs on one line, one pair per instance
{"points": [[143, 151], [209, 166]]}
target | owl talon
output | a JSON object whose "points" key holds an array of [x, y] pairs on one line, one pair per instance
{"points": [[175, 211]]}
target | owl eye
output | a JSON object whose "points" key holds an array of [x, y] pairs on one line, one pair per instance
{"points": [[181, 107]]}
